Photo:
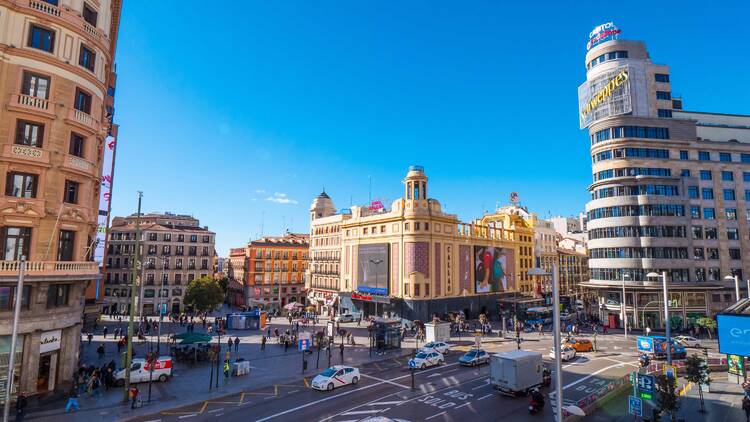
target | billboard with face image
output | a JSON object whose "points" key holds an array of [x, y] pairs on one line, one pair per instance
{"points": [[493, 269], [373, 268]]}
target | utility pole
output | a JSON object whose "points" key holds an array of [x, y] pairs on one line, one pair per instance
{"points": [[18, 298], [136, 253]]}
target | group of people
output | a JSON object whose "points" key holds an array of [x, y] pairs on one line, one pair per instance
{"points": [[90, 380]]}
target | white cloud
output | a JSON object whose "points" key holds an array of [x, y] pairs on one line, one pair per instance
{"points": [[259, 191], [281, 198]]}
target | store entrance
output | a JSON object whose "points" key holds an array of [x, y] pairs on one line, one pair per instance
{"points": [[47, 372]]}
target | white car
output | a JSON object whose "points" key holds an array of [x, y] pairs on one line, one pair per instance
{"points": [[566, 354], [688, 341], [348, 317], [335, 376], [425, 358], [438, 346], [140, 371]]}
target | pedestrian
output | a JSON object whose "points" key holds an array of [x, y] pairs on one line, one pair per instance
{"points": [[286, 344], [263, 343], [90, 337], [226, 369], [236, 344], [72, 401], [105, 330], [230, 343], [100, 351], [268, 332], [21, 404], [341, 350], [648, 331], [746, 408], [134, 393]]}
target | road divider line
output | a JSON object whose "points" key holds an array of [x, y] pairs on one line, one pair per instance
{"points": [[388, 403], [216, 410], [364, 412], [435, 415], [382, 381], [307, 383], [484, 397]]}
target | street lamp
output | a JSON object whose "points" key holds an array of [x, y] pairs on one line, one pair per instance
{"points": [[736, 285], [624, 310], [556, 331], [376, 262], [666, 311]]}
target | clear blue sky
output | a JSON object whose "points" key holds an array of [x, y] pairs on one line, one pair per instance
{"points": [[241, 112]]}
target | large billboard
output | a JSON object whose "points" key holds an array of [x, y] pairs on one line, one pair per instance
{"points": [[492, 269], [373, 268], [105, 196], [734, 334], [609, 94]]}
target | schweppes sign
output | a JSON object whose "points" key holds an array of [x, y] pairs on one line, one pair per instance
{"points": [[604, 93]]}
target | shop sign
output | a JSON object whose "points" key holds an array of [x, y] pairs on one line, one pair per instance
{"points": [[736, 364], [604, 32], [366, 298], [49, 341]]}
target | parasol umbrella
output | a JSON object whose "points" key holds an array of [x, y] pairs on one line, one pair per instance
{"points": [[292, 306], [195, 338]]}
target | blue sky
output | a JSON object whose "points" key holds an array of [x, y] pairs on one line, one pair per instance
{"points": [[239, 113]]}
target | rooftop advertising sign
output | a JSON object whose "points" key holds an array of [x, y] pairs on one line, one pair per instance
{"points": [[604, 96], [601, 33], [734, 334]]}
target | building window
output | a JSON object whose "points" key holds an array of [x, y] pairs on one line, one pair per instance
{"points": [[704, 155], [685, 173], [733, 234], [57, 295], [664, 113], [727, 176], [745, 158], [35, 85], [663, 95], [193, 238], [698, 254], [42, 38], [77, 144], [70, 195], [416, 289], [706, 175], [695, 212], [167, 237], [707, 193], [206, 239], [730, 213], [89, 15], [82, 101], [17, 241], [683, 155], [21, 185], [29, 133], [711, 233], [66, 245], [712, 253], [697, 232], [87, 58], [729, 195], [709, 213], [661, 77], [734, 254], [747, 195], [725, 157], [693, 192]]}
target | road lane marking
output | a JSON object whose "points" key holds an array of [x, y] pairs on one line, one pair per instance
{"points": [[307, 383], [552, 394], [435, 415], [187, 416], [620, 362], [315, 402], [465, 404], [484, 397], [484, 384], [364, 412], [382, 381], [216, 410], [386, 403]]}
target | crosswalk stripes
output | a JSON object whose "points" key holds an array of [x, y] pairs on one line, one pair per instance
{"points": [[365, 410]]}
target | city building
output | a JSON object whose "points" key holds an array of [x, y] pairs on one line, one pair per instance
{"points": [[237, 268], [276, 267], [323, 278], [670, 191], [56, 65], [414, 260], [175, 250], [566, 225], [573, 271], [518, 220]]}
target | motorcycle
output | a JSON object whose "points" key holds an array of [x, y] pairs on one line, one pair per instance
{"points": [[535, 406]]}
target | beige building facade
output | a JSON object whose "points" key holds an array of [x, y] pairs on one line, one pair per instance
{"points": [[56, 65], [174, 250]]}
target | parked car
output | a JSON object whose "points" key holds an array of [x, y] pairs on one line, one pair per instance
{"points": [[335, 376], [580, 345], [688, 341], [474, 357], [567, 353], [347, 317], [424, 359], [438, 346]]}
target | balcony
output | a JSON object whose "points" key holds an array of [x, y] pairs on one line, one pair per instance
{"points": [[84, 120], [26, 154], [72, 17], [31, 104], [78, 165], [84, 269]]}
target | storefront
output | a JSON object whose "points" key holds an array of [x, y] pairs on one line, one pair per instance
{"points": [[4, 360], [49, 346], [367, 304]]}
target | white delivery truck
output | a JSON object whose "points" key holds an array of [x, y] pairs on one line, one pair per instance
{"points": [[140, 371], [517, 372]]}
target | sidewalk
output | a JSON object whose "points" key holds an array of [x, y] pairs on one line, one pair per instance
{"points": [[190, 382]]}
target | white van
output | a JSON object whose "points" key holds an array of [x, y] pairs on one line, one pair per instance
{"points": [[140, 371]]}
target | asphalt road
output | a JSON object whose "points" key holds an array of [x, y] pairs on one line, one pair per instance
{"points": [[446, 393]]}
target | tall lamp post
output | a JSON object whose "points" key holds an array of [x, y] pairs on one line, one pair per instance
{"points": [[663, 276], [136, 254], [556, 330], [18, 298], [377, 263], [736, 286], [624, 310]]}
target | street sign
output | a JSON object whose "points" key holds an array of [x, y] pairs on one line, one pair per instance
{"points": [[635, 406], [646, 384], [412, 364], [304, 344], [670, 371]]}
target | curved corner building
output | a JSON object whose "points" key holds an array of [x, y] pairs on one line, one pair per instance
{"points": [[56, 97], [670, 192]]}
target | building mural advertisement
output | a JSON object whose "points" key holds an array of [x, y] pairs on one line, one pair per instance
{"points": [[105, 193], [373, 269], [492, 267], [606, 95]]}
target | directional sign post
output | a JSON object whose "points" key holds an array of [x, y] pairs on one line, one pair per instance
{"points": [[635, 406]]}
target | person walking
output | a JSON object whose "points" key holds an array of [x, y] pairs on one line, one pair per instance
{"points": [[105, 331], [236, 344], [263, 343], [90, 337], [746, 408], [341, 350], [72, 401], [286, 344], [226, 369], [21, 403], [134, 392], [230, 343], [100, 351]]}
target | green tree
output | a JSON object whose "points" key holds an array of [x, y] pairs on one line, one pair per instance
{"points": [[696, 371], [224, 283], [708, 323], [667, 401], [204, 294]]}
